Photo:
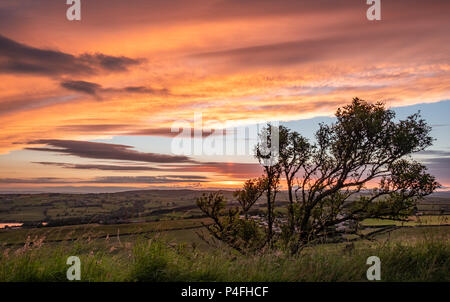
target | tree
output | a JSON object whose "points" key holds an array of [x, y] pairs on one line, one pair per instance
{"points": [[251, 192], [268, 156], [242, 235], [364, 145], [358, 167], [294, 152]]}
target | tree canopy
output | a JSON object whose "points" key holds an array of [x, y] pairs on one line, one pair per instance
{"points": [[356, 168]]}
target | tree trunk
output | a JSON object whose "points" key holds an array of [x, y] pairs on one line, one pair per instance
{"points": [[291, 205], [269, 213]]}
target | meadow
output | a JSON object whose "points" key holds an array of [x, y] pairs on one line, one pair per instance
{"points": [[409, 254], [169, 246]]}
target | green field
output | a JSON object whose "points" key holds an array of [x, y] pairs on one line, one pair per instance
{"points": [[412, 221], [407, 254], [159, 236], [133, 206], [109, 208], [93, 231]]}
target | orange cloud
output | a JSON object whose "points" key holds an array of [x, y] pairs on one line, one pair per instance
{"points": [[135, 67]]}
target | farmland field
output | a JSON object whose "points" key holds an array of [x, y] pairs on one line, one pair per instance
{"points": [[409, 254], [117, 235]]}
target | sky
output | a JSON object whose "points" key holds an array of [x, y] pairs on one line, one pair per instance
{"points": [[89, 105]]}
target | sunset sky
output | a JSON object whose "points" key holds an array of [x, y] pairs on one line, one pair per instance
{"points": [[87, 106]]}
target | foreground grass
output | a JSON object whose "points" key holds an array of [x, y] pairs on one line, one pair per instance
{"points": [[425, 259]]}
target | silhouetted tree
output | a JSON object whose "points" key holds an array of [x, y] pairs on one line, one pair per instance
{"points": [[250, 193], [294, 152], [241, 234], [358, 167], [267, 153]]}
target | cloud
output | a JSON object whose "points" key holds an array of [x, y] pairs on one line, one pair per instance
{"points": [[167, 132], [146, 179], [39, 180], [109, 63], [154, 132], [157, 12], [142, 89], [438, 164], [441, 153], [82, 86], [95, 128], [99, 167], [107, 180], [230, 169], [256, 60], [129, 129], [95, 89], [344, 45], [105, 151], [71, 189], [22, 104], [439, 167], [16, 57]]}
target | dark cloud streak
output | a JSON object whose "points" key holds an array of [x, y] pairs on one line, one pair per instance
{"points": [[107, 180], [95, 89], [99, 167], [105, 151], [82, 86], [16, 57]]}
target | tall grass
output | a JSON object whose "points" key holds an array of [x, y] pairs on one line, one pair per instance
{"points": [[158, 260]]}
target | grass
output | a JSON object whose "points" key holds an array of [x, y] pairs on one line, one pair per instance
{"points": [[414, 255], [413, 221], [19, 236], [170, 250]]}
